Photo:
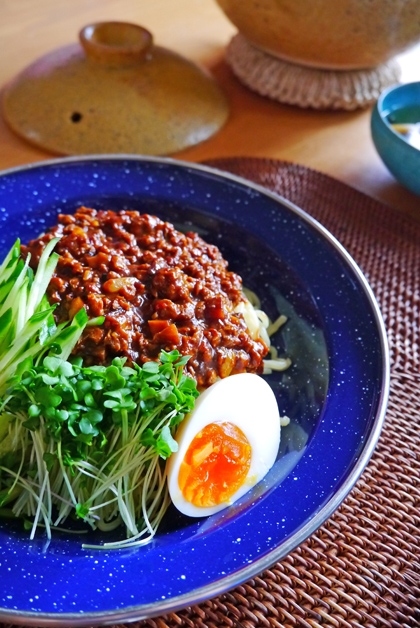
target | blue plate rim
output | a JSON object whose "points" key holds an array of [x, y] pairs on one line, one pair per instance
{"points": [[194, 596]]}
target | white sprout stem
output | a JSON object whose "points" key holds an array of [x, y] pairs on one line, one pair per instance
{"points": [[65, 478], [41, 508]]}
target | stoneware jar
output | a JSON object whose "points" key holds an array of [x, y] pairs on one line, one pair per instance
{"points": [[323, 54], [332, 34]]}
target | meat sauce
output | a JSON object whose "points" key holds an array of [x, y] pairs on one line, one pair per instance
{"points": [[158, 289]]}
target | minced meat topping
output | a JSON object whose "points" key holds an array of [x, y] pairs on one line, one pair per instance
{"points": [[158, 289]]}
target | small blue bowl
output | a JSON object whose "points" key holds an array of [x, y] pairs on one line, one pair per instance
{"points": [[398, 105]]}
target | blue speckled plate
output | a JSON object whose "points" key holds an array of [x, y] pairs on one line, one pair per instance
{"points": [[335, 392]]}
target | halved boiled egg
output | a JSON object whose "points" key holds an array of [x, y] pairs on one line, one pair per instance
{"points": [[225, 445]]}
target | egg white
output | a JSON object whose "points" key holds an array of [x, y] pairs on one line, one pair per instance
{"points": [[245, 400]]}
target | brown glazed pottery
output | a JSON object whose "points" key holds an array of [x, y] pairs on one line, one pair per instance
{"points": [[329, 34], [114, 92]]}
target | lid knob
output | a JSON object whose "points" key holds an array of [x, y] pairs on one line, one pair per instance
{"points": [[116, 43]]}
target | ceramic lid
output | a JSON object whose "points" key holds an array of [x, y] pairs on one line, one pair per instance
{"points": [[114, 92]]}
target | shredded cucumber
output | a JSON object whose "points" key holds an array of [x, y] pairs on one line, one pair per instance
{"points": [[27, 328], [78, 442]]}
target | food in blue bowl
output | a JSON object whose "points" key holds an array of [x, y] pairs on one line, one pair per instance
{"points": [[334, 391], [395, 127]]}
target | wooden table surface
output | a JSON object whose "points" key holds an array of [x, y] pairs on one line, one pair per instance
{"points": [[336, 143]]}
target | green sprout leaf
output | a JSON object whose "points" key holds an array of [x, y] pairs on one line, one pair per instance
{"points": [[76, 441]]}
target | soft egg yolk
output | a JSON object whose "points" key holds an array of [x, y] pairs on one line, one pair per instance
{"points": [[215, 465]]}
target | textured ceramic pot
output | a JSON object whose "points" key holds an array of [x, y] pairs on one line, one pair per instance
{"points": [[331, 34], [114, 92]]}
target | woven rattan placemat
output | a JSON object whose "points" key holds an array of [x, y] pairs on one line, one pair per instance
{"points": [[362, 567]]}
